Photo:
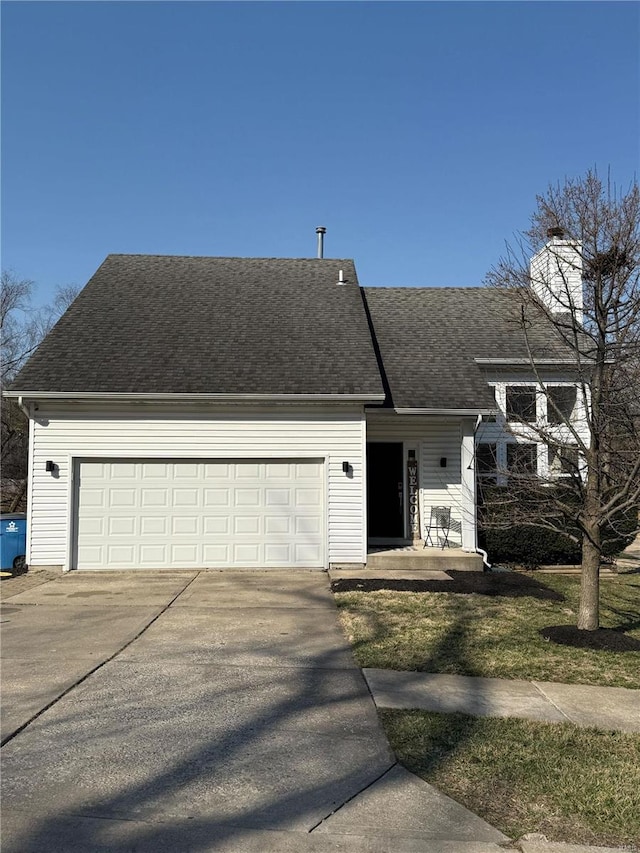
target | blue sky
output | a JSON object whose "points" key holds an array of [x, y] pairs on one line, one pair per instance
{"points": [[417, 133]]}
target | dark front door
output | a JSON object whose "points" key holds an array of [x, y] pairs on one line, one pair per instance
{"points": [[385, 505]]}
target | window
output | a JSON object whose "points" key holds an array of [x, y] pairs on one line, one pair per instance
{"points": [[564, 398], [563, 461], [522, 458], [486, 461], [521, 403]]}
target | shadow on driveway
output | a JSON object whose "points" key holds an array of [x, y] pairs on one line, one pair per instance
{"points": [[233, 727]]}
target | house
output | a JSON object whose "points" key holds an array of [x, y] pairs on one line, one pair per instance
{"points": [[191, 412]]}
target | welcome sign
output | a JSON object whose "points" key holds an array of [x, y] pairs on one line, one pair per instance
{"points": [[414, 499]]}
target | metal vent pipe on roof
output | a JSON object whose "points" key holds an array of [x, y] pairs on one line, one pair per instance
{"points": [[321, 231]]}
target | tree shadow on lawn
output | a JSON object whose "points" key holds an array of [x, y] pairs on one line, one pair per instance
{"points": [[451, 729], [503, 584]]}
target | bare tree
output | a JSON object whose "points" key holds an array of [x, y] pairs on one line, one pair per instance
{"points": [[22, 328], [584, 283]]}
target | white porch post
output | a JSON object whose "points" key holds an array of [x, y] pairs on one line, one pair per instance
{"points": [[468, 483]]}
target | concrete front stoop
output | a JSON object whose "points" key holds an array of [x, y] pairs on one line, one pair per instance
{"points": [[413, 557]]}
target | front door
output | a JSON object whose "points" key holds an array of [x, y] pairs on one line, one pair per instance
{"points": [[385, 503]]}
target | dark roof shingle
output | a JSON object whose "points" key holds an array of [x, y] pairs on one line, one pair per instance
{"points": [[429, 339], [165, 324]]}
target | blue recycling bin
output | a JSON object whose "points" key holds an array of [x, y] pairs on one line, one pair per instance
{"points": [[13, 540]]}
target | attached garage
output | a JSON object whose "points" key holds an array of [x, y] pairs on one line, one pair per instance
{"points": [[199, 513]]}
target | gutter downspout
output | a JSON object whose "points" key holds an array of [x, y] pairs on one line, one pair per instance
{"points": [[483, 554], [24, 409]]}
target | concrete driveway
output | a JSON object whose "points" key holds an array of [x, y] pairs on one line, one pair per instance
{"points": [[203, 711]]}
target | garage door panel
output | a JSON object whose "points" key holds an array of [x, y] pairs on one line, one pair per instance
{"points": [[307, 497], [277, 470], [217, 497], [94, 498], [246, 554], [247, 497], [307, 524], [185, 471], [151, 470], [247, 524], [121, 554], [206, 513], [153, 555], [277, 555], [123, 471], [313, 470], [184, 554], [306, 554], [216, 555], [277, 497], [154, 525], [154, 497], [122, 526], [247, 471], [91, 555], [186, 497], [186, 525], [215, 525], [122, 498], [276, 524], [216, 469]]}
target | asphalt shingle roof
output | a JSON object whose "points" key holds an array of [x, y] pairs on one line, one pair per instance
{"points": [[429, 337], [164, 324]]}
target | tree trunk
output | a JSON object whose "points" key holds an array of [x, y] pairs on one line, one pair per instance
{"points": [[589, 611]]}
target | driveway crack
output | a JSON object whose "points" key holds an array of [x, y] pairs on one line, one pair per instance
{"points": [[357, 794], [84, 677]]}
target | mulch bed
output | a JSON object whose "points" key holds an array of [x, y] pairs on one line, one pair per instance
{"points": [[603, 639], [504, 584]]}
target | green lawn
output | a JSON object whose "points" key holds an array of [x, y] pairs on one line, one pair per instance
{"points": [[572, 784], [474, 634]]}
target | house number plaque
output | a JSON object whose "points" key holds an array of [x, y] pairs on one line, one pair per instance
{"points": [[414, 499]]}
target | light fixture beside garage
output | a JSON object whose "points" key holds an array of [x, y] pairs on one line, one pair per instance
{"points": [[49, 466], [346, 467]]}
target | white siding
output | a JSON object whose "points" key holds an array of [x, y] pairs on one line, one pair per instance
{"points": [[433, 438], [62, 435]]}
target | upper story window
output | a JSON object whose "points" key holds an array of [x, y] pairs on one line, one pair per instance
{"points": [[521, 403], [561, 402]]}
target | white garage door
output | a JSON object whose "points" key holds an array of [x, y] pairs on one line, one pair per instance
{"points": [[149, 513]]}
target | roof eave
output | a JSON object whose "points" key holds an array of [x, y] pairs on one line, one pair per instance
{"points": [[116, 396], [467, 412]]}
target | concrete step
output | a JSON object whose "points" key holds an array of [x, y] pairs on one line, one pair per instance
{"points": [[426, 559]]}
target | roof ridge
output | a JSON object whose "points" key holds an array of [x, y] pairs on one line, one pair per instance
{"points": [[219, 257]]}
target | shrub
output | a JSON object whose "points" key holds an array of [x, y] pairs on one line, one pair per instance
{"points": [[527, 545]]}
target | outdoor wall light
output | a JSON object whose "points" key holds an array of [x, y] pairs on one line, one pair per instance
{"points": [[49, 465], [443, 461], [345, 467]]}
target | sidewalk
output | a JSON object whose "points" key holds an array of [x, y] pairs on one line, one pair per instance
{"points": [[603, 707]]}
